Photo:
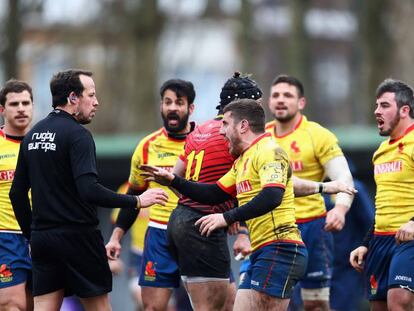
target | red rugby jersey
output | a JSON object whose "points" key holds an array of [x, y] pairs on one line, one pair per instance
{"points": [[206, 157]]}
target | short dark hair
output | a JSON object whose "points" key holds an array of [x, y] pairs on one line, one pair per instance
{"points": [[403, 93], [180, 87], [65, 82], [250, 110], [283, 78], [14, 86]]}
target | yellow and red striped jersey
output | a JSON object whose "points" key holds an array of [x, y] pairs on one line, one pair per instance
{"points": [[160, 150], [9, 152], [309, 146], [264, 164], [394, 176]]}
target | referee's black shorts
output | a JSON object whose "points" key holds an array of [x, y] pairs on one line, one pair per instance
{"points": [[70, 259], [197, 255]]}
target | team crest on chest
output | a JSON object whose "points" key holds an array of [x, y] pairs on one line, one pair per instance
{"points": [[294, 147]]}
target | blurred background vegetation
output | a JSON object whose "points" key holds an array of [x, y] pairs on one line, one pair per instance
{"points": [[340, 49]]}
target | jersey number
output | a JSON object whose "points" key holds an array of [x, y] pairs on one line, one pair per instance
{"points": [[199, 160]]}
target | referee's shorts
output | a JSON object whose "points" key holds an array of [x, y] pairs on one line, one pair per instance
{"points": [[72, 259]]}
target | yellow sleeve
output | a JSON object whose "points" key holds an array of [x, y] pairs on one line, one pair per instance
{"points": [[228, 182], [135, 180], [327, 146], [273, 167]]}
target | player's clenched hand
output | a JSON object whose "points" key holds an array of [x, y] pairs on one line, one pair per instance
{"points": [[153, 196], [210, 222], [336, 186], [242, 245], [335, 218], [357, 258], [113, 249], [159, 175], [405, 233]]}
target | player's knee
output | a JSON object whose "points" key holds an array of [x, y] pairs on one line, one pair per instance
{"points": [[316, 299], [151, 305], [12, 303], [400, 299]]}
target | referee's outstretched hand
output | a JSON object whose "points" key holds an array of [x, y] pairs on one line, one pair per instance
{"points": [[153, 196]]}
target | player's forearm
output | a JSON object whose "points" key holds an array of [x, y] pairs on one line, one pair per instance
{"points": [[200, 192], [337, 169], [94, 193], [117, 234], [126, 218], [304, 187], [267, 200]]}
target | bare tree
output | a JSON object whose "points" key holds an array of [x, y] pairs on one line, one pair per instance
{"points": [[11, 39]]}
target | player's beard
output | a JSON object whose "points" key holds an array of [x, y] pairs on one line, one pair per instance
{"points": [[393, 123], [181, 125], [286, 118], [234, 146]]}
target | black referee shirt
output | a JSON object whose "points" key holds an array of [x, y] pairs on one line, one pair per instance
{"points": [[52, 155]]}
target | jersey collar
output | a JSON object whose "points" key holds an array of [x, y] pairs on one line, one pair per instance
{"points": [[302, 118], [408, 130], [257, 139]]}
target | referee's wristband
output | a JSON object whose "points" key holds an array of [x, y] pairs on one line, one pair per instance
{"points": [[241, 231]]}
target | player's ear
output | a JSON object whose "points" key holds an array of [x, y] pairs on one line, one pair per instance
{"points": [[244, 125], [405, 110], [302, 103], [191, 108]]}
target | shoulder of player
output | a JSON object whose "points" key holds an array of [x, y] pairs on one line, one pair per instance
{"points": [[151, 137], [314, 128], [382, 149], [206, 129], [269, 151], [270, 125]]}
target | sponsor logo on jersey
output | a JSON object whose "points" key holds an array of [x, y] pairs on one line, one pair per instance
{"points": [[7, 156], [150, 272], [315, 274], [403, 278], [243, 186], [255, 283], [296, 165], [43, 141], [388, 167], [201, 136], [7, 175], [5, 274], [165, 155]]}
